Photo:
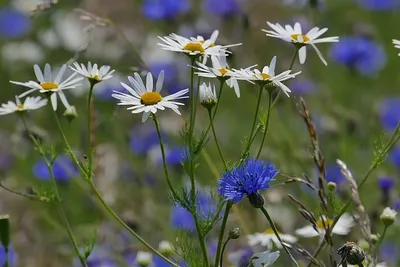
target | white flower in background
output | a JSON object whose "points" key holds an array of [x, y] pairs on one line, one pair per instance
{"points": [[165, 247], [144, 99], [266, 76], [388, 216], [365, 263], [193, 46], [268, 239], [17, 52], [48, 84], [208, 97], [30, 103], [220, 70], [396, 44], [299, 39], [342, 227], [144, 258], [93, 73]]}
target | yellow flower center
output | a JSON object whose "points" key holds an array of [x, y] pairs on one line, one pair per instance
{"points": [[269, 231], [20, 106], [95, 77], [49, 85], [150, 98], [265, 76], [194, 47], [203, 41], [223, 71], [320, 224], [296, 37]]}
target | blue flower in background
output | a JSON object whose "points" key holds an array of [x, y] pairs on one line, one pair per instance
{"points": [[169, 68], [222, 7], [385, 183], [394, 156], [164, 9], [334, 174], [359, 53], [143, 138], [379, 5], [389, 253], [396, 204], [174, 156], [13, 23], [244, 260], [105, 89], [249, 178], [302, 86], [389, 112], [99, 257], [63, 169], [12, 256]]}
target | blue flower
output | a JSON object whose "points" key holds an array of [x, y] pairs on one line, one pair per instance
{"points": [[396, 204], [13, 23], [143, 138], [105, 89], [379, 5], [385, 183], [164, 9], [169, 68], [359, 53], [174, 156], [222, 7], [244, 260], [389, 253], [12, 256], [334, 174], [99, 257], [394, 156], [302, 86], [389, 112], [249, 178], [63, 169]]}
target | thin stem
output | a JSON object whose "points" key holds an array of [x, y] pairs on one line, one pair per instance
{"points": [[32, 197], [221, 233], [216, 139], [266, 124], [63, 216], [381, 239], [126, 227], [264, 211], [201, 239], [89, 132], [222, 252]]}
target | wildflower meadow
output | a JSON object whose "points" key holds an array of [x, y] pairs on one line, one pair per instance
{"points": [[199, 133]]}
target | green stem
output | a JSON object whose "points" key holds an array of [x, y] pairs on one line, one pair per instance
{"points": [[265, 212], [89, 132], [381, 239], [223, 250], [221, 233], [266, 124], [63, 216], [32, 197], [126, 227], [216, 139]]}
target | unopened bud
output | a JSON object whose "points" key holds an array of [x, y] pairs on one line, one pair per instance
{"points": [[165, 248], [351, 254], [388, 216], [256, 200], [70, 113], [208, 98], [234, 233], [144, 259], [374, 239], [331, 186]]}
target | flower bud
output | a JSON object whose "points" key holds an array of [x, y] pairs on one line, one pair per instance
{"points": [[165, 248], [363, 244], [208, 98], [351, 253], [374, 239], [234, 233], [256, 200], [331, 186], [388, 216], [70, 113], [144, 259]]}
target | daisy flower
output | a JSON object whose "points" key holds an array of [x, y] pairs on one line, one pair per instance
{"points": [[30, 103], [93, 73], [342, 227], [295, 36], [220, 70], [396, 44], [266, 76], [50, 85], [145, 99], [208, 97], [268, 239]]}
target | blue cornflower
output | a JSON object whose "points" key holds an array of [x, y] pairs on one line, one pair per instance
{"points": [[143, 138], [396, 204], [12, 257], [385, 183], [302, 86], [247, 179], [388, 252], [222, 7], [164, 9], [105, 89], [174, 156], [394, 156], [63, 169], [170, 71], [13, 23], [334, 174], [99, 257], [389, 112], [379, 5], [359, 53]]}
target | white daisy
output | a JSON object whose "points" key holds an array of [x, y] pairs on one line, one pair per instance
{"points": [[299, 39], [220, 70], [46, 84], [145, 99], [396, 44], [268, 239], [266, 76], [93, 73], [342, 227], [144, 258], [30, 103], [207, 94]]}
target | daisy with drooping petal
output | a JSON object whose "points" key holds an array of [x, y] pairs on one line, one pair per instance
{"points": [[30, 103], [342, 227], [93, 73], [207, 95], [46, 84], [266, 77], [145, 99], [295, 36], [268, 239], [220, 70], [396, 44]]}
